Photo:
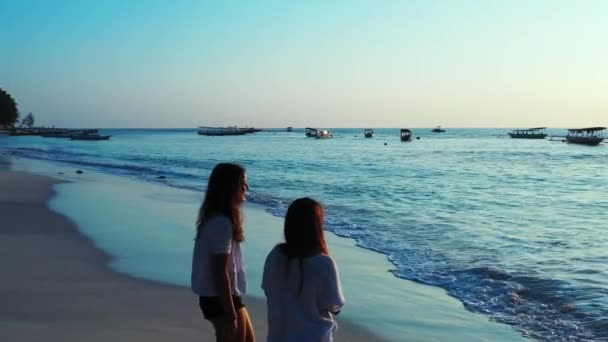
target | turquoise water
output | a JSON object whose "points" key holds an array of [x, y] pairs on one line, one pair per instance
{"points": [[148, 230], [515, 229]]}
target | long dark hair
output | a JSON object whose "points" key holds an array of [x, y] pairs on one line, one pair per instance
{"points": [[303, 231], [225, 183]]}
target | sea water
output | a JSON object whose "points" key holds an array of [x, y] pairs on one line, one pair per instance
{"points": [[515, 229]]}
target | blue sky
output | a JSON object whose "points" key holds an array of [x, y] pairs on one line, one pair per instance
{"points": [[387, 63]]}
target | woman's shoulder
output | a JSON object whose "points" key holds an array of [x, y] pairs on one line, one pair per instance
{"points": [[277, 251], [324, 261], [217, 223], [218, 220]]}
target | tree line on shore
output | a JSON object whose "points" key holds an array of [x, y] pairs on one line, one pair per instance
{"points": [[9, 114]]}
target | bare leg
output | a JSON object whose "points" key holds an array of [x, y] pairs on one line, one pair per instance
{"points": [[245, 332]]}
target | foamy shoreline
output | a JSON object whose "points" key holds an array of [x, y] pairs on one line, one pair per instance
{"points": [[393, 308], [67, 292]]}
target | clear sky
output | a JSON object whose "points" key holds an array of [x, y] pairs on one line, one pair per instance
{"points": [[456, 63]]}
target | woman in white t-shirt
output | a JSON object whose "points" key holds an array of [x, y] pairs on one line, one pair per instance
{"points": [[218, 272], [301, 280]]}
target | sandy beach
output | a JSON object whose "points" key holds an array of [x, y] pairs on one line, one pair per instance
{"points": [[102, 257], [57, 285]]}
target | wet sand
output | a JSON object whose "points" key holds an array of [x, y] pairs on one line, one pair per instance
{"points": [[57, 286]]}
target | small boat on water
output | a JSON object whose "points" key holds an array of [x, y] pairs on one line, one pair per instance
{"points": [[311, 132], [438, 129], [90, 136], [230, 130], [324, 134], [530, 133], [591, 136], [67, 133], [289, 129], [368, 132], [406, 134]]}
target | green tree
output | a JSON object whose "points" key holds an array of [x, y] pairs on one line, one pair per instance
{"points": [[8, 109]]}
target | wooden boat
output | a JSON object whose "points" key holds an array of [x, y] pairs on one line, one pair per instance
{"points": [[88, 134], [221, 131], [61, 133], [90, 137], [368, 132], [250, 129], [406, 134], [438, 129], [591, 136], [324, 134], [311, 132], [530, 133]]}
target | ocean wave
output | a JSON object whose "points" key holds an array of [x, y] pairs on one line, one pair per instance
{"points": [[536, 304], [121, 168]]}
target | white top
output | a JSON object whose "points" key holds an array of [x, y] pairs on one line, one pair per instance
{"points": [[305, 316], [216, 238]]}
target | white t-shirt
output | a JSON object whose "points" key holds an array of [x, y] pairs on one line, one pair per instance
{"points": [[216, 238], [305, 316]]}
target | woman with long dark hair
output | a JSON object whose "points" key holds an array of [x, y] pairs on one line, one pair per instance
{"points": [[301, 280], [218, 273]]}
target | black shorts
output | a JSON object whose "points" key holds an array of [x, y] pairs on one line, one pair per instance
{"points": [[212, 306]]}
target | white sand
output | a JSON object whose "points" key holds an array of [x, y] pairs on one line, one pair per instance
{"points": [[56, 286]]}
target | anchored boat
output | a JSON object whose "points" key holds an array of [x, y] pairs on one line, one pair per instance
{"points": [[406, 134], [89, 134], [230, 130], [311, 132], [591, 136], [530, 133], [324, 134]]}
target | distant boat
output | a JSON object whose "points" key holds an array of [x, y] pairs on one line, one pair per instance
{"points": [[438, 129], [230, 130], [406, 134], [48, 131], [289, 129], [591, 136], [90, 137], [58, 135], [530, 133], [311, 132], [324, 134], [64, 133], [368, 132]]}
